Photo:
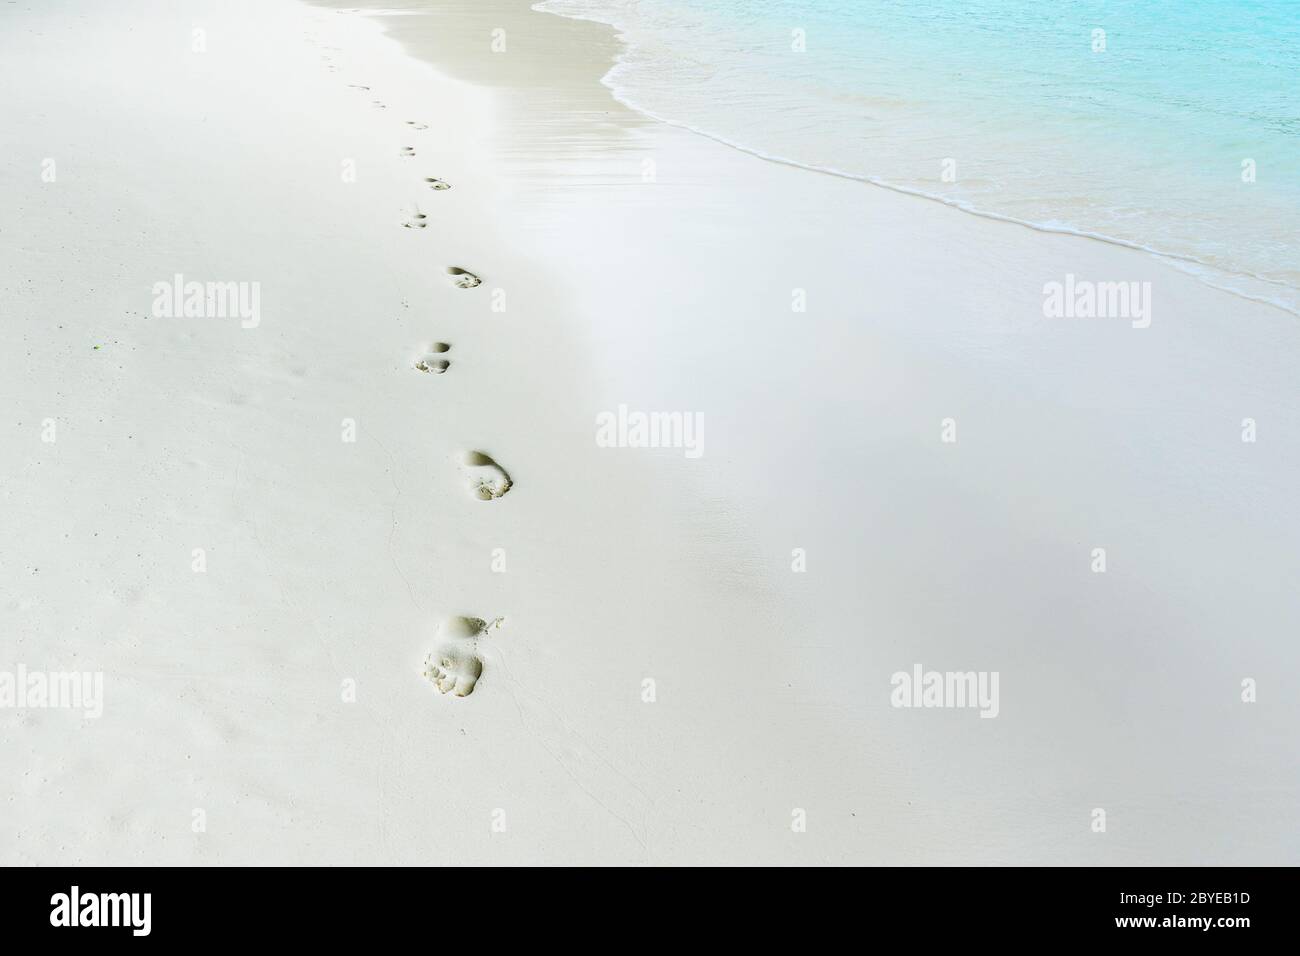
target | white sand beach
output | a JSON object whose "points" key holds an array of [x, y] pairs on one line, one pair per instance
{"points": [[262, 529]]}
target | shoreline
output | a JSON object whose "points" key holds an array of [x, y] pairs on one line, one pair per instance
{"points": [[1212, 275]]}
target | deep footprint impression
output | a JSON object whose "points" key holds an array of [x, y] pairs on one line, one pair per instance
{"points": [[430, 362], [454, 666], [487, 479], [415, 220], [462, 278], [435, 183]]}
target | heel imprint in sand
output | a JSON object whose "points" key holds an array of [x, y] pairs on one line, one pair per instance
{"points": [[487, 479], [454, 666], [430, 361], [463, 278]]}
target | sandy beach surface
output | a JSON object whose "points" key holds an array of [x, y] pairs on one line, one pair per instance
{"points": [[274, 533]]}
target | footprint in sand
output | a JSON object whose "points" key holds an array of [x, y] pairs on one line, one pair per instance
{"points": [[435, 183], [430, 362], [358, 86], [408, 151], [378, 105], [415, 220], [454, 667], [487, 479], [463, 278], [414, 125]]}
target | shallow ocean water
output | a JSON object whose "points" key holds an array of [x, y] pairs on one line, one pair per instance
{"points": [[1176, 128]]}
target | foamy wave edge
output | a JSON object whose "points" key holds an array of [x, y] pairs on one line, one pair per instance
{"points": [[1211, 275]]}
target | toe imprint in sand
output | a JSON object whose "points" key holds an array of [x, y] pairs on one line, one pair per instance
{"points": [[487, 479], [463, 278], [435, 183], [415, 220], [455, 667], [430, 362]]}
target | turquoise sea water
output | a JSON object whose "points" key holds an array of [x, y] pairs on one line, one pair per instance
{"points": [[1148, 133]]}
